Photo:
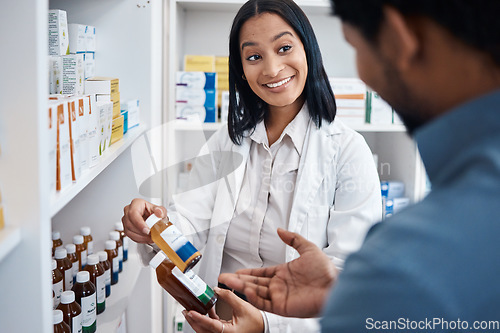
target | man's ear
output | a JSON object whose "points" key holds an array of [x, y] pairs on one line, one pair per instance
{"points": [[398, 39]]}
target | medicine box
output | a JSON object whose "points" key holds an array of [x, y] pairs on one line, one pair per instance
{"points": [[117, 129], [77, 38], [83, 103], [198, 80], [222, 64], [224, 109], [52, 115], [90, 45], [55, 75], [74, 137], [377, 110], [58, 32], [115, 98], [199, 63], [89, 64], [64, 177], [392, 189], [196, 113], [101, 85], [73, 74], [350, 98], [2, 219], [196, 97], [131, 107], [93, 134]]}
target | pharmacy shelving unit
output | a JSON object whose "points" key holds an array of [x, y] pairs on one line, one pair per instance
{"points": [[129, 47]]}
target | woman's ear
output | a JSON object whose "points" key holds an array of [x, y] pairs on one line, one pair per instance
{"points": [[398, 39]]}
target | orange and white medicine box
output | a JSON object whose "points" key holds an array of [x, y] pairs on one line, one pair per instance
{"points": [[102, 85], [350, 97]]}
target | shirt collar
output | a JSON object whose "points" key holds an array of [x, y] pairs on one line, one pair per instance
{"points": [[444, 138], [296, 130]]}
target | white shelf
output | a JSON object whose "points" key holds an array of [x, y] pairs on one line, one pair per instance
{"points": [[10, 237], [309, 6], [181, 125], [60, 199], [119, 299]]}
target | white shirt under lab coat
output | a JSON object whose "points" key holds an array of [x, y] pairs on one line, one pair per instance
{"points": [[336, 199]]}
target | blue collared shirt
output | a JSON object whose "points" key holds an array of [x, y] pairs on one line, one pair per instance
{"points": [[434, 267]]}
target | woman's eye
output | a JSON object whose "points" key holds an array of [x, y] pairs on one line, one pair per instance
{"points": [[253, 57], [285, 48]]}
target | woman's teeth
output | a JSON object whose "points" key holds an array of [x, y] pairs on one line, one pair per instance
{"points": [[277, 84]]}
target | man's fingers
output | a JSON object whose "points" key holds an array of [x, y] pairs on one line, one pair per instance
{"points": [[201, 323], [242, 282], [296, 241]]}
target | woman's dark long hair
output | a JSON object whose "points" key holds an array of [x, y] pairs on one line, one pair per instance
{"points": [[246, 109]]}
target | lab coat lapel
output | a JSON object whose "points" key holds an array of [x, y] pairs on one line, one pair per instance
{"points": [[230, 185], [318, 155]]}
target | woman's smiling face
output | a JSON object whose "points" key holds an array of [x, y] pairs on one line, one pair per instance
{"points": [[274, 60]]}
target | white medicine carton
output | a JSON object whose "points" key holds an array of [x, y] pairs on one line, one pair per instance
{"points": [[58, 32], [73, 74], [77, 38]]}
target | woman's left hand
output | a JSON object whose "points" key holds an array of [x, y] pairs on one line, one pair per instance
{"points": [[246, 318]]}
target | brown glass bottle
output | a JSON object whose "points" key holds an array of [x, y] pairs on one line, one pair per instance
{"points": [[113, 260], [124, 238], [59, 325], [98, 279], [188, 289], [65, 266], [72, 312], [103, 259], [56, 241], [173, 243], [71, 248], [115, 235], [57, 283], [81, 251], [87, 239], [85, 296]]}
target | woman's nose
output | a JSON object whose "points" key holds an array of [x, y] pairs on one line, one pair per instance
{"points": [[272, 66]]}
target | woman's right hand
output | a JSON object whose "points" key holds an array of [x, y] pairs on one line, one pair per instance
{"points": [[134, 217]]}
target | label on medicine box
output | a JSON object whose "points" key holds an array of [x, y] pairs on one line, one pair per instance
{"points": [[115, 98], [117, 129], [89, 64], [199, 63], [377, 110], [133, 112], [73, 76], [64, 177], [74, 134], [55, 75], [196, 97], [196, 113], [392, 189], [58, 32], [224, 109], [90, 45], [101, 85], [93, 134], [52, 115], [77, 38], [198, 80]]}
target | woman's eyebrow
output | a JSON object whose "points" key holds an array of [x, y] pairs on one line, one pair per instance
{"points": [[275, 38]]}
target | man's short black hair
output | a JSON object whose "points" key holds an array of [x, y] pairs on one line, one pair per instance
{"points": [[474, 22]]}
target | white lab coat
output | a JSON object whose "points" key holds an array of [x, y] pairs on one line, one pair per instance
{"points": [[337, 198]]}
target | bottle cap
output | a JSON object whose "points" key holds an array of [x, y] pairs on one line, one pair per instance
{"points": [[56, 235], [157, 259], [57, 316], [103, 255], [119, 226], [82, 276], [78, 239], [54, 264], [85, 231], [151, 220], [110, 245], [114, 235], [60, 253], [71, 248], [67, 297], [92, 259]]}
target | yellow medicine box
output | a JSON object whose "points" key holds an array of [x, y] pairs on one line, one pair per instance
{"points": [[199, 63], [117, 129]]}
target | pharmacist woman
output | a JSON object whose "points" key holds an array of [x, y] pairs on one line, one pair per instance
{"points": [[282, 161]]}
